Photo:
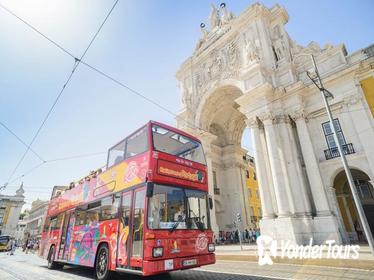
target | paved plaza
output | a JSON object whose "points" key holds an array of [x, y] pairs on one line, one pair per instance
{"points": [[25, 267]]}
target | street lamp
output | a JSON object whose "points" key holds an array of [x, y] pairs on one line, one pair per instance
{"points": [[317, 81]]}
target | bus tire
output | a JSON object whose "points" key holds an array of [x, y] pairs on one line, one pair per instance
{"points": [[102, 271], [51, 260]]}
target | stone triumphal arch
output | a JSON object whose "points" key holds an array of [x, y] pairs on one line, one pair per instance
{"points": [[247, 72]]}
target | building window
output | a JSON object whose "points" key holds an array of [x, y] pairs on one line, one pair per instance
{"points": [[330, 136], [249, 193], [363, 189], [247, 174], [257, 195], [254, 176], [2, 214], [215, 179]]}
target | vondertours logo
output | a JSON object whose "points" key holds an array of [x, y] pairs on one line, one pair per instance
{"points": [[268, 249]]}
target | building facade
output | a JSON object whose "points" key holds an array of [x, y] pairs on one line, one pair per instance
{"points": [[253, 192], [35, 217], [10, 209], [246, 71]]}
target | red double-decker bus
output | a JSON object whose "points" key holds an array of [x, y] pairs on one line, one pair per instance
{"points": [[147, 213]]}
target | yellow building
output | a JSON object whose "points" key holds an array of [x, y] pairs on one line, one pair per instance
{"points": [[253, 192], [368, 89]]}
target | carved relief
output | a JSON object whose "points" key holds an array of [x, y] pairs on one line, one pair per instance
{"points": [[227, 16], [251, 52], [232, 54], [203, 38], [214, 19], [186, 96], [279, 45]]}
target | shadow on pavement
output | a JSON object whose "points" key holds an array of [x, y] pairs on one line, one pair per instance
{"points": [[177, 275]]}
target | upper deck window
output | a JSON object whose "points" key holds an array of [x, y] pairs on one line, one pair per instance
{"points": [[131, 146], [173, 143]]}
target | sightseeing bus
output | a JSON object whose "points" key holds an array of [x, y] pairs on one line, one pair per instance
{"points": [[146, 213]]}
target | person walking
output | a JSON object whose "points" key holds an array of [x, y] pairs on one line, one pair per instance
{"points": [[12, 246]]}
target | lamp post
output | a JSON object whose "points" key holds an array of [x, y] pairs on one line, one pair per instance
{"points": [[317, 81]]}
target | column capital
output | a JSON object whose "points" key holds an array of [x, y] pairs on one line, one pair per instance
{"points": [[252, 122], [281, 119], [299, 115], [267, 118]]}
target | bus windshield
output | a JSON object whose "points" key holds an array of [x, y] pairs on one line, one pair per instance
{"points": [[173, 143], [177, 208], [4, 240]]}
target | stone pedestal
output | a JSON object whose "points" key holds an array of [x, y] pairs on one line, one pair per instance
{"points": [[299, 230]]}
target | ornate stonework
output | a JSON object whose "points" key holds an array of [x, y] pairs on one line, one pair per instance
{"points": [[246, 71]]}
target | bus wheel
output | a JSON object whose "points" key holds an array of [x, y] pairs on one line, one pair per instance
{"points": [[102, 271], [51, 260]]}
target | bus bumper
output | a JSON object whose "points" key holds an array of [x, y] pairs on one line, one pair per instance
{"points": [[166, 265]]}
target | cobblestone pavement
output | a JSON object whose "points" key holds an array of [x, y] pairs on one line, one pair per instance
{"points": [[26, 267], [31, 267]]}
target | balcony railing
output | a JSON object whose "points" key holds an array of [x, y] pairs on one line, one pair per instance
{"points": [[334, 152], [216, 191]]}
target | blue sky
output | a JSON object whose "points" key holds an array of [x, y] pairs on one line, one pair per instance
{"points": [[142, 44]]}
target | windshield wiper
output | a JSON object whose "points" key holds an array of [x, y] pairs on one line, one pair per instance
{"points": [[174, 226]]}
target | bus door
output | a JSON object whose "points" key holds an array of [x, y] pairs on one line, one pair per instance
{"points": [[65, 235], [137, 229], [124, 230]]}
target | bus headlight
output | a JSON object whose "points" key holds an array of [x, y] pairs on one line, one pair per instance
{"points": [[211, 247], [157, 252]]}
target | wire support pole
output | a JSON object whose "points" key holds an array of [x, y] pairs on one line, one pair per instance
{"points": [[325, 95]]}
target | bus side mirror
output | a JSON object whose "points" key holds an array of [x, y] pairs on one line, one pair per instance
{"points": [[210, 203], [150, 187]]}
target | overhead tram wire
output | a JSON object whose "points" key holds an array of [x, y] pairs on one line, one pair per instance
{"points": [[20, 140], [55, 160], [119, 82], [76, 64], [126, 86]]}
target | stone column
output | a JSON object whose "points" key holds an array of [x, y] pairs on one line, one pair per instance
{"points": [[245, 213], [316, 184], [297, 178], [276, 167], [286, 162], [264, 185], [206, 140]]}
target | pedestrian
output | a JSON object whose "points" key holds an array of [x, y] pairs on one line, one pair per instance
{"points": [[257, 233], [28, 245], [253, 235], [12, 246], [250, 235]]}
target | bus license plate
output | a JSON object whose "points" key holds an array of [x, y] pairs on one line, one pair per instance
{"points": [[189, 262]]}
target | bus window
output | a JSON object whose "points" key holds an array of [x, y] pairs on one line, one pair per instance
{"points": [[171, 207], [109, 207], [56, 222], [93, 213], [137, 143], [124, 229], [116, 154], [170, 142], [126, 208], [137, 245], [80, 217]]}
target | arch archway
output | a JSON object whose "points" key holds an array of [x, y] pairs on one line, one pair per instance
{"points": [[218, 114], [346, 204]]}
